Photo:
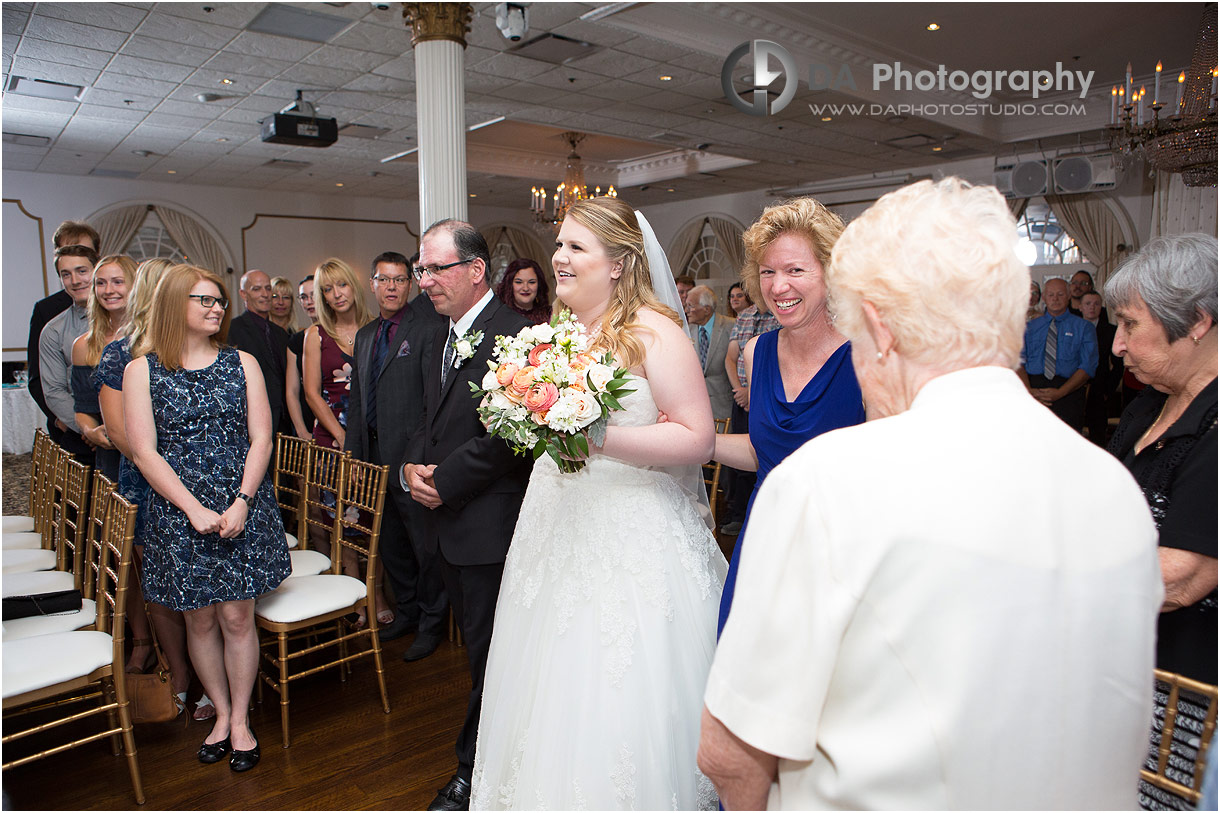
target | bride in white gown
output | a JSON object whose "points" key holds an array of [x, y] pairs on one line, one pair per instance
{"points": [[606, 622]]}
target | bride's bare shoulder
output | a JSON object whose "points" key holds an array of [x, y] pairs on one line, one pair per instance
{"points": [[659, 322]]}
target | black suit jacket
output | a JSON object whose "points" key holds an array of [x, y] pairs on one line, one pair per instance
{"points": [[481, 482], [400, 388], [246, 333], [44, 311]]}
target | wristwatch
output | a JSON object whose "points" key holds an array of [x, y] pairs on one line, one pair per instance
{"points": [[243, 496]]}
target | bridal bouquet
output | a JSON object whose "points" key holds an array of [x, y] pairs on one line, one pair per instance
{"points": [[545, 393]]}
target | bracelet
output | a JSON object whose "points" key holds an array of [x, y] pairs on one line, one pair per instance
{"points": [[243, 496]]}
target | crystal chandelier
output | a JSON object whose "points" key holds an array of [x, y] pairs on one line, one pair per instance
{"points": [[1179, 139], [550, 212]]}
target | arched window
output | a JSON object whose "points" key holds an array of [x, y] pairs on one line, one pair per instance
{"points": [[502, 253], [1041, 240], [152, 240], [709, 262]]}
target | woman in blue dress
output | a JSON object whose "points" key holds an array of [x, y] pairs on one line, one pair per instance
{"points": [[199, 428], [800, 376]]}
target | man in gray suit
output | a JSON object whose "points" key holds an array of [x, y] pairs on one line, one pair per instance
{"points": [[387, 402], [710, 333]]}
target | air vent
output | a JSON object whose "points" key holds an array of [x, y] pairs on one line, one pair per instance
{"points": [[555, 49], [115, 173], [670, 138], [284, 20], [363, 131], [912, 142], [26, 140], [45, 89], [286, 163]]}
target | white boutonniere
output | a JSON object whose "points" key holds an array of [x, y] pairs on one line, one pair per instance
{"points": [[464, 347]]}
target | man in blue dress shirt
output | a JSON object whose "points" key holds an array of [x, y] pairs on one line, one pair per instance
{"points": [[1059, 356]]}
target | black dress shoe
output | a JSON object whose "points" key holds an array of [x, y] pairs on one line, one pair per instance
{"points": [[244, 760], [423, 646], [454, 796], [215, 751], [400, 626]]}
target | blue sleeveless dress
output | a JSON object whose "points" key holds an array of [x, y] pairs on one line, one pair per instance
{"points": [[202, 433], [831, 400]]}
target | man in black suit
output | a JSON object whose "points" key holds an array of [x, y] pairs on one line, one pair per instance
{"points": [[1104, 386], [472, 484], [69, 233], [255, 333], [387, 400]]}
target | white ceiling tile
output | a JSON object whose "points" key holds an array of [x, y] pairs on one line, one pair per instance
{"points": [[139, 85], [96, 15], [509, 65], [612, 63], [166, 51], [114, 114], [351, 99], [27, 162], [597, 33], [230, 15], [620, 90], [652, 48], [400, 107], [368, 37], [13, 20], [199, 34], [567, 79], [122, 99], [56, 52], [204, 111], [269, 46], [318, 76], [400, 67], [171, 122], [15, 101], [478, 84], [10, 45], [346, 58], [231, 64], [386, 85], [35, 122], [74, 34], [55, 71]]}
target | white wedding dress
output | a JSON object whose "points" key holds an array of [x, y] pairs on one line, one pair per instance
{"points": [[603, 639]]}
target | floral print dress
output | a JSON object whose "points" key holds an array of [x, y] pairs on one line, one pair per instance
{"points": [[336, 386]]}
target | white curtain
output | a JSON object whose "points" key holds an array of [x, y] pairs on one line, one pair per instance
{"points": [[1095, 229], [524, 245], [684, 246], [118, 226], [194, 240], [1181, 209], [728, 235]]}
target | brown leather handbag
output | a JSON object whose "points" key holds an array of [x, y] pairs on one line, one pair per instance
{"points": [[150, 696]]}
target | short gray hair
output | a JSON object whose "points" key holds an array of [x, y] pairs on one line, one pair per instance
{"points": [[702, 295], [1174, 276]]}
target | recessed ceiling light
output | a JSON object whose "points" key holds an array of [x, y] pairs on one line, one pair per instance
{"points": [[338, 184], [827, 118], [142, 153], [665, 77], [226, 81], [937, 148], [222, 138], [473, 195], [933, 27], [670, 189], [172, 171]]}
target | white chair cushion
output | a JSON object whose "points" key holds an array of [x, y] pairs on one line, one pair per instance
{"points": [[291, 540], [308, 596], [20, 540], [50, 624], [15, 524], [31, 584], [44, 660], [308, 563], [26, 561]]}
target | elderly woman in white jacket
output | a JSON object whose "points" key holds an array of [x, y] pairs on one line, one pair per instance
{"points": [[935, 620]]}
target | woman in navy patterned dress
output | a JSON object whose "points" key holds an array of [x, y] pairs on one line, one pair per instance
{"points": [[199, 427]]}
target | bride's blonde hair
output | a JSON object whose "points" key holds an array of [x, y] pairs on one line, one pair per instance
{"points": [[614, 225]]}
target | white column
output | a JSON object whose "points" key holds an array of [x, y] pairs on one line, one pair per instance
{"points": [[440, 86]]}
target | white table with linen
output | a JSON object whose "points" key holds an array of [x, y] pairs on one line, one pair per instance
{"points": [[21, 416]]}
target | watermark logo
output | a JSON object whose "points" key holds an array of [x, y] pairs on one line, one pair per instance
{"points": [[761, 52]]}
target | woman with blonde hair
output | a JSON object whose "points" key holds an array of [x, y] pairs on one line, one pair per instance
{"points": [[606, 623], [799, 377], [112, 279], [283, 304], [199, 427]]}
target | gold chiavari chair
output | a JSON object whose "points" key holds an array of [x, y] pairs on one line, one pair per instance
{"points": [[290, 478], [1186, 733], [46, 458], [18, 523], [49, 529], [69, 515], [83, 618], [711, 474], [39, 671], [307, 603]]}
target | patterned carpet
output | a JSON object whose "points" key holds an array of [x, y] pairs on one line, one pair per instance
{"points": [[15, 483]]}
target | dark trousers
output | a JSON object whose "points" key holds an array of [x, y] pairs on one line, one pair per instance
{"points": [[740, 483], [1069, 408], [419, 590], [473, 589]]}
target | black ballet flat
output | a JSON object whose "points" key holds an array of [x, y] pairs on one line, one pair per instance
{"points": [[244, 760], [214, 751]]}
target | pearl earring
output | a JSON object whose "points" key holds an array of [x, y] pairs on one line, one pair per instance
{"points": [[880, 356]]}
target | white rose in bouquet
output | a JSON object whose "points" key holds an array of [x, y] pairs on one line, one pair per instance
{"points": [[599, 376]]}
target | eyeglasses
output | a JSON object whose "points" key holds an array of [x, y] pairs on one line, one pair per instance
{"points": [[393, 281], [420, 271], [210, 301]]}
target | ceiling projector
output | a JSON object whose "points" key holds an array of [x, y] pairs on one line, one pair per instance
{"points": [[298, 124]]}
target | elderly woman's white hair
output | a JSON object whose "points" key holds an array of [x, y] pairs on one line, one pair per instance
{"points": [[938, 262], [1175, 276]]}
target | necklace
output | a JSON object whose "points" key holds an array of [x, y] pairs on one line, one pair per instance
{"points": [[1145, 439]]}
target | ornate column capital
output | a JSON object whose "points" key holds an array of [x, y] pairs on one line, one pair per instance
{"points": [[438, 21]]}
